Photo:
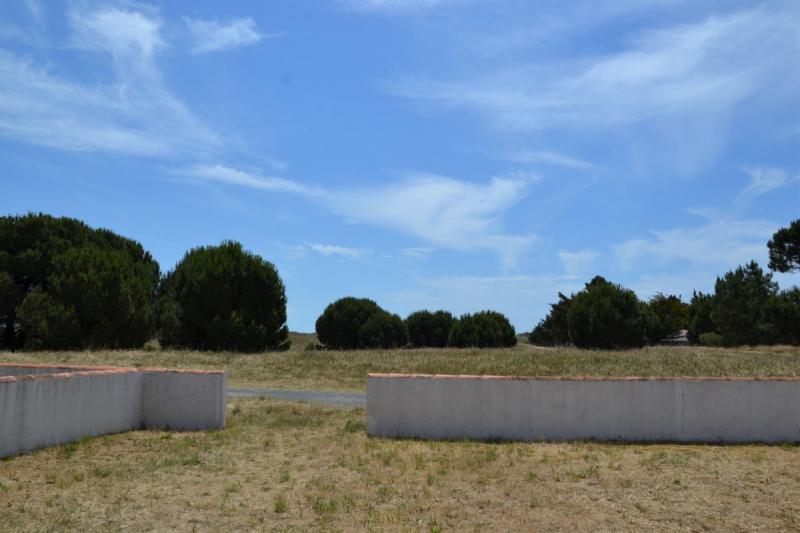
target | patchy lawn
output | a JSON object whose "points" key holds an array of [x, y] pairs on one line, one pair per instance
{"points": [[294, 466], [347, 370]]}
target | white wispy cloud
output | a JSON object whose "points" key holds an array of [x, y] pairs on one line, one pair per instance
{"points": [[328, 250], [133, 114], [762, 181], [529, 157], [131, 37], [725, 244], [704, 68], [233, 176], [394, 6], [443, 211], [418, 252], [704, 252], [215, 35], [579, 263], [335, 251]]}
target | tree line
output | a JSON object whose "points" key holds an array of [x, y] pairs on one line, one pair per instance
{"points": [[353, 323], [746, 307], [65, 285]]}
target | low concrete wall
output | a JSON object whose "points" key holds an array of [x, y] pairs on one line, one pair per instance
{"points": [[7, 369], [184, 399], [40, 411], [614, 409], [43, 405]]}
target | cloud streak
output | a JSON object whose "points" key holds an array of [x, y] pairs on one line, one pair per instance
{"points": [[329, 250], [762, 181], [233, 176], [398, 6], [704, 68], [577, 264], [441, 211], [134, 114], [530, 157], [214, 35], [722, 243]]}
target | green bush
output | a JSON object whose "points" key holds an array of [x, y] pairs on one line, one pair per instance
{"points": [[383, 330], [223, 298], [553, 330], [152, 346], [339, 325], [666, 316], [710, 338], [605, 315], [699, 316], [784, 248], [783, 317], [740, 307], [429, 329], [486, 329], [64, 285], [47, 323]]}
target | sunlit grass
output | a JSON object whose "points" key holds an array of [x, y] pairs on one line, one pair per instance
{"points": [[303, 467], [348, 369]]}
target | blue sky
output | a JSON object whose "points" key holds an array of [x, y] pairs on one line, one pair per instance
{"points": [[456, 154]]}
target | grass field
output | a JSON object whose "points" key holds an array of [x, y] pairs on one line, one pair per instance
{"points": [[298, 467], [294, 466], [297, 368]]}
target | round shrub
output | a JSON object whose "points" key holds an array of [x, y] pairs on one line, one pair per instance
{"points": [[429, 329], [710, 338], [741, 304], [783, 317], [486, 329], [223, 298], [699, 316], [666, 315], [605, 315], [64, 285], [339, 325], [553, 330], [383, 330]]}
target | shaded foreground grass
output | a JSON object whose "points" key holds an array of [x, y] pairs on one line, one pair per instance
{"points": [[284, 466], [348, 369]]}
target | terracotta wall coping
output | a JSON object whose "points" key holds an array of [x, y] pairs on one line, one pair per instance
{"points": [[182, 371], [71, 367], [67, 375], [68, 371], [447, 377]]}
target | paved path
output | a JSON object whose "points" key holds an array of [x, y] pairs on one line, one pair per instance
{"points": [[346, 399]]}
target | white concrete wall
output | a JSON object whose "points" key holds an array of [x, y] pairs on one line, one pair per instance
{"points": [[184, 400], [40, 412], [625, 409], [44, 405]]}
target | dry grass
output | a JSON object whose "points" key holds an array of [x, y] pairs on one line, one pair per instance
{"points": [[347, 370], [282, 466]]}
